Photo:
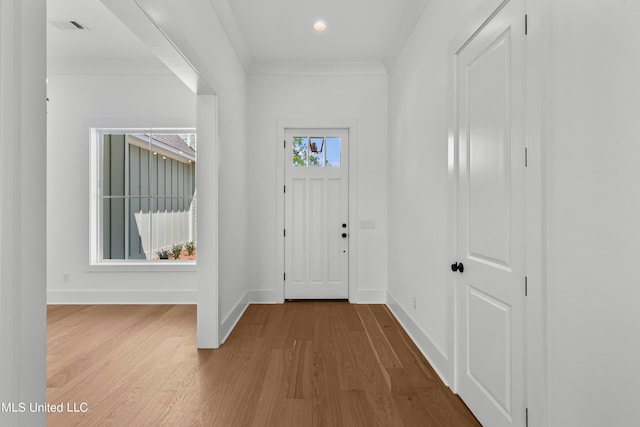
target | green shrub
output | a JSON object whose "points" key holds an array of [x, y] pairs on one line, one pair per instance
{"points": [[176, 250], [163, 254], [190, 247]]}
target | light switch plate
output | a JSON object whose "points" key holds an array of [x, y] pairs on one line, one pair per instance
{"points": [[368, 224]]}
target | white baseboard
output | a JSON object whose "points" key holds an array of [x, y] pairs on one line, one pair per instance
{"points": [[122, 297], [366, 296], [230, 321], [438, 360], [264, 296]]}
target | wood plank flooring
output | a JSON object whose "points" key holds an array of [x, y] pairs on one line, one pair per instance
{"points": [[299, 364]]}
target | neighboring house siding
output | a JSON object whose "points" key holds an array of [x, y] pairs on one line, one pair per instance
{"points": [[170, 217], [138, 186], [113, 209], [194, 208]]}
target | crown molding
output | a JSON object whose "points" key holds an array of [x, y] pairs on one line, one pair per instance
{"points": [[317, 69]]}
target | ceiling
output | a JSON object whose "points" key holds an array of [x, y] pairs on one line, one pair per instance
{"points": [[105, 37], [357, 30], [262, 31]]}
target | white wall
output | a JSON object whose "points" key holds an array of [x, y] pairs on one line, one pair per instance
{"points": [[418, 198], [591, 104], [319, 98], [593, 207], [194, 28], [22, 209], [78, 103]]}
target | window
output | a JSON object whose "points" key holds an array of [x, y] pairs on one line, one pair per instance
{"points": [[317, 151], [145, 188]]}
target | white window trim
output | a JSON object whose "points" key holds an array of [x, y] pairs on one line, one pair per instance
{"points": [[96, 263]]}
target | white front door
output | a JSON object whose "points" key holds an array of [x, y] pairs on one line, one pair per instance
{"points": [[490, 225], [316, 214]]}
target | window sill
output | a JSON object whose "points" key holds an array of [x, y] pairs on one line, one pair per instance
{"points": [[136, 266]]}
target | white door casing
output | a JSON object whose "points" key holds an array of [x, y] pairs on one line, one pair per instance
{"points": [[316, 234], [490, 142]]}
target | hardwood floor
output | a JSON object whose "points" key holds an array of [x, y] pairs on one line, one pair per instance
{"points": [[295, 364]]}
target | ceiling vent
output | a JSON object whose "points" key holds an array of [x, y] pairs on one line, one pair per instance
{"points": [[68, 25]]}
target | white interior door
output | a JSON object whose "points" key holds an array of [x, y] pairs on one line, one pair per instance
{"points": [[490, 224], [316, 214]]}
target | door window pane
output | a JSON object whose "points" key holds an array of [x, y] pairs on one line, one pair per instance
{"points": [[332, 152], [299, 151], [316, 151]]}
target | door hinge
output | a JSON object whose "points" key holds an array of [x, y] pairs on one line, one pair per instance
{"points": [[526, 286], [284, 144], [526, 24], [284, 276], [285, 188], [284, 234], [526, 417], [526, 157]]}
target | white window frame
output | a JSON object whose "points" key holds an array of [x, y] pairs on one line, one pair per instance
{"points": [[96, 261]]}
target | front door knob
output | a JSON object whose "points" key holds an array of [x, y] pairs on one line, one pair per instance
{"points": [[344, 235], [457, 267]]}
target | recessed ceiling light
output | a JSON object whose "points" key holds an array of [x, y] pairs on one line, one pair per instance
{"points": [[319, 26]]}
